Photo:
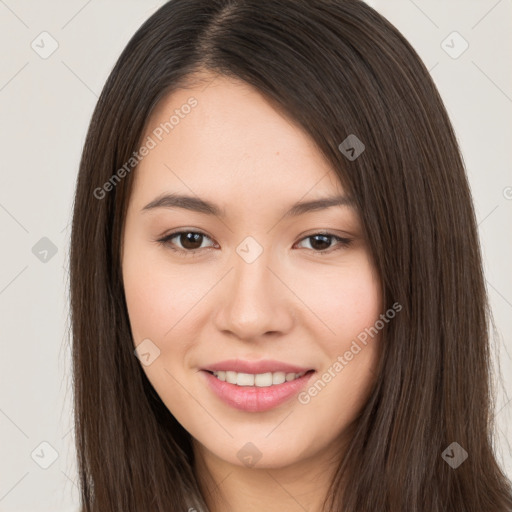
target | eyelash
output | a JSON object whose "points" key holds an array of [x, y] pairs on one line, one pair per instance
{"points": [[165, 241]]}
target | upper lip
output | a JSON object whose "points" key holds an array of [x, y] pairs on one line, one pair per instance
{"points": [[263, 366]]}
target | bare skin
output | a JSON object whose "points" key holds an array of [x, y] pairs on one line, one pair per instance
{"points": [[302, 301]]}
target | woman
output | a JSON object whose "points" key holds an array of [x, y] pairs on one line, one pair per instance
{"points": [[277, 293]]}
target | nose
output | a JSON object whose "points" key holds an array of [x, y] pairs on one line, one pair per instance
{"points": [[253, 301]]}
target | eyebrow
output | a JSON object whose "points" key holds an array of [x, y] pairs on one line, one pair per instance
{"points": [[199, 205]]}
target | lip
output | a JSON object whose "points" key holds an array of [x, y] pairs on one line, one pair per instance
{"points": [[263, 366], [254, 398]]}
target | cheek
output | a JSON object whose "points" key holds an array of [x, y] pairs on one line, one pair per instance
{"points": [[349, 303], [149, 301], [346, 300], [155, 297], [165, 302], [162, 305]]}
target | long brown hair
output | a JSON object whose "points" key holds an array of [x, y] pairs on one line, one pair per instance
{"points": [[337, 68]]}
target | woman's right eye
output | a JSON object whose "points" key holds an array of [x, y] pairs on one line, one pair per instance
{"points": [[187, 242]]}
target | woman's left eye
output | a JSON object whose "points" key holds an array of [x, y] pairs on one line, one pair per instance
{"points": [[322, 241], [190, 242]]}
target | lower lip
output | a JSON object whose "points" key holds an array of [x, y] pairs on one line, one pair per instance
{"points": [[254, 398]]}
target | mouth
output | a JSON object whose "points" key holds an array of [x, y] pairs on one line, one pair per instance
{"points": [[261, 380], [255, 386]]}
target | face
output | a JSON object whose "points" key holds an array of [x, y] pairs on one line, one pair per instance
{"points": [[233, 280]]}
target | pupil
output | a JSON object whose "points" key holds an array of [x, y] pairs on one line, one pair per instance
{"points": [[189, 240], [324, 241]]}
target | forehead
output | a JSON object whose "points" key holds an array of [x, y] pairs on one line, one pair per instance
{"points": [[221, 134]]}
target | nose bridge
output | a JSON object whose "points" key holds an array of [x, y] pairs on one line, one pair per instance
{"points": [[254, 301], [251, 275]]}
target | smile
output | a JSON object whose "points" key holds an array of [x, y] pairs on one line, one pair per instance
{"points": [[261, 380], [258, 392]]}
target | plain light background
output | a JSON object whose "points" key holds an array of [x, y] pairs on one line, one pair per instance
{"points": [[45, 109]]}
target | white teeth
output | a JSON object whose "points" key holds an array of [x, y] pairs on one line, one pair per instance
{"points": [[261, 380], [278, 377], [244, 379]]}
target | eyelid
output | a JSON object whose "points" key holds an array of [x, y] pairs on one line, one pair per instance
{"points": [[343, 242], [164, 240]]}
